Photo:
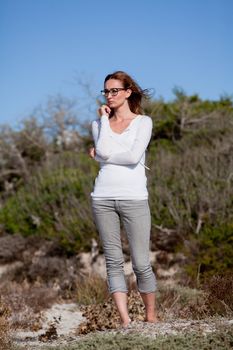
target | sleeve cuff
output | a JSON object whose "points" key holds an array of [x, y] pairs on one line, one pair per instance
{"points": [[104, 118]]}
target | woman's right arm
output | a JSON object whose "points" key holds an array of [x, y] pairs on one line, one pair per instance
{"points": [[101, 137]]}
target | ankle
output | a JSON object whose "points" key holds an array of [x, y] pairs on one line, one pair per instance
{"points": [[126, 323], [151, 319], [150, 315]]}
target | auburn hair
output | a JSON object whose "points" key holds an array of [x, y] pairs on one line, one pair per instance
{"points": [[135, 99]]}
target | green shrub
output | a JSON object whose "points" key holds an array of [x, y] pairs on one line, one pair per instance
{"points": [[221, 339], [55, 204], [190, 181], [210, 252]]}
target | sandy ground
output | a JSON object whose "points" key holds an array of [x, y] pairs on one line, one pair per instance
{"points": [[66, 317]]}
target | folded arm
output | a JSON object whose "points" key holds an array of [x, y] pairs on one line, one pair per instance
{"points": [[130, 156], [102, 136]]}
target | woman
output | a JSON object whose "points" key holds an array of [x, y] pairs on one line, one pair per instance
{"points": [[121, 137]]}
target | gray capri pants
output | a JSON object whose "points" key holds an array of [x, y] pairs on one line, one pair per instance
{"points": [[136, 219]]}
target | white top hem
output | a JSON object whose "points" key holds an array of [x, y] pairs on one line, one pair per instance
{"points": [[119, 198]]}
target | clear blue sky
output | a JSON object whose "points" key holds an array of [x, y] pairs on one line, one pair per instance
{"points": [[46, 44]]}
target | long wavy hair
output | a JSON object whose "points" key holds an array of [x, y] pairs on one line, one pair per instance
{"points": [[137, 95]]}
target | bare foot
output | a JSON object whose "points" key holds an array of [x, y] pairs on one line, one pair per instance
{"points": [[126, 324], [151, 319]]}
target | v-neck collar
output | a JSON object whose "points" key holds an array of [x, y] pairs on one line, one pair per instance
{"points": [[127, 128]]}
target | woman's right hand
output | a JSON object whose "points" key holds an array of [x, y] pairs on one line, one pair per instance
{"points": [[92, 152], [104, 110]]}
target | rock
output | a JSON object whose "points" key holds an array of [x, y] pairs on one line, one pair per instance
{"points": [[89, 265], [168, 273]]}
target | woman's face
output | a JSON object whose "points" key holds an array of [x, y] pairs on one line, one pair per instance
{"points": [[120, 98]]}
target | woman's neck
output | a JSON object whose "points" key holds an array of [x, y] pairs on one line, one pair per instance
{"points": [[121, 114]]}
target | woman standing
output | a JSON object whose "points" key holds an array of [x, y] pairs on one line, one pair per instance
{"points": [[121, 137]]}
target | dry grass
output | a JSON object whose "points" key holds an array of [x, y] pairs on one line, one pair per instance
{"points": [[91, 289], [220, 294], [173, 302], [25, 302], [5, 341], [214, 297], [181, 302]]}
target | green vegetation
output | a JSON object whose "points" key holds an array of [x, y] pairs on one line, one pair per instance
{"points": [[221, 339], [45, 184], [54, 203]]}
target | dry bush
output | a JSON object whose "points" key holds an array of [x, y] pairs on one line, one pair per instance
{"points": [[173, 302], [91, 289], [190, 181], [5, 341], [26, 301], [38, 261], [51, 129], [11, 248], [105, 315], [220, 293], [181, 302], [192, 190], [215, 297], [190, 185]]}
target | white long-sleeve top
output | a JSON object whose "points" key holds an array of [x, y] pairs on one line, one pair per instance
{"points": [[122, 159]]}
